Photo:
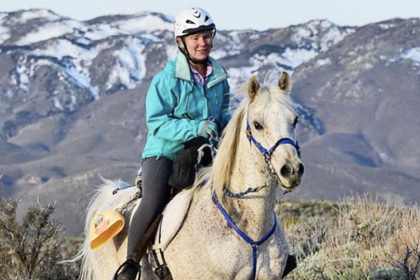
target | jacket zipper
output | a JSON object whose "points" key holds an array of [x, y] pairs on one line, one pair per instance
{"points": [[207, 99]]}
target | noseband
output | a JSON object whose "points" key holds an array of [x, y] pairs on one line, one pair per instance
{"points": [[268, 153]]}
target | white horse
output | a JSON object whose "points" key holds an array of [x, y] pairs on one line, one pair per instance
{"points": [[224, 228]]}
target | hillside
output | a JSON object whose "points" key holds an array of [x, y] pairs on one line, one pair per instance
{"points": [[71, 102]]}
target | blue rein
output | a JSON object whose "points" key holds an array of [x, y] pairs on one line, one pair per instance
{"points": [[254, 244]]}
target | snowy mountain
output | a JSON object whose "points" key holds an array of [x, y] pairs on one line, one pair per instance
{"points": [[71, 101], [107, 54], [365, 91]]}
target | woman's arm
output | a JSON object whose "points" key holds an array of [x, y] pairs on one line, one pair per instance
{"points": [[160, 104]]}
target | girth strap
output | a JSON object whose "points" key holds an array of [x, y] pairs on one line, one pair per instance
{"points": [[250, 241]]}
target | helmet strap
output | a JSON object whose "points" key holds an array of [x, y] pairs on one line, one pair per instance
{"points": [[184, 50]]}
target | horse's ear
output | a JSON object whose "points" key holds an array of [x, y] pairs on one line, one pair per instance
{"points": [[253, 87], [284, 82]]}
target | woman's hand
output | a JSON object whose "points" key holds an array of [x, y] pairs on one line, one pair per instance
{"points": [[207, 129]]}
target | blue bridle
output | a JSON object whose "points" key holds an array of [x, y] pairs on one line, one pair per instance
{"points": [[267, 153], [267, 156], [254, 244]]}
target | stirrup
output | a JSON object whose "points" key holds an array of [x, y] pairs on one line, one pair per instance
{"points": [[138, 181], [128, 262]]}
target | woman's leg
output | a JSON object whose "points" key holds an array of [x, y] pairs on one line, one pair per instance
{"points": [[155, 195]]}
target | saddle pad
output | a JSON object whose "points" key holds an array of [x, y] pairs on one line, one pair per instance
{"points": [[173, 217]]}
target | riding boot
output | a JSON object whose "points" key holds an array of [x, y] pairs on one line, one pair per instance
{"points": [[143, 243], [131, 267]]}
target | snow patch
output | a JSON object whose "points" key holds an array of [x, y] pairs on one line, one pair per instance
{"points": [[239, 76], [322, 62], [80, 78], [384, 157], [99, 32], [296, 57], [300, 35], [8, 93], [147, 23], [308, 116], [220, 53], [130, 68], [332, 37], [413, 54], [4, 33], [172, 51], [73, 59], [237, 34], [57, 104], [63, 48], [22, 75], [38, 13], [325, 24], [149, 37], [386, 26], [51, 30]]}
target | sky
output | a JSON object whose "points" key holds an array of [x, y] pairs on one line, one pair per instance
{"points": [[236, 14]]}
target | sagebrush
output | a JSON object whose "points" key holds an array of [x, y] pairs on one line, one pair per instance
{"points": [[33, 248], [356, 238]]}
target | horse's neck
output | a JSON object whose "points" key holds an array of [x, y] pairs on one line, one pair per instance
{"points": [[253, 214]]}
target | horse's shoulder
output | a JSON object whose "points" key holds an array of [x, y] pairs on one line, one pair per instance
{"points": [[173, 217]]}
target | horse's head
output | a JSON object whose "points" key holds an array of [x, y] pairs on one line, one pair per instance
{"points": [[270, 125]]}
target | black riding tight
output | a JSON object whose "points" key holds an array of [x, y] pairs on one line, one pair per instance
{"points": [[155, 195]]}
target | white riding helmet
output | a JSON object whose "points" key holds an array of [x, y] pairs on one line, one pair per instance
{"points": [[191, 21]]}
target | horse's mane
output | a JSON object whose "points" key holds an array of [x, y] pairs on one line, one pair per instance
{"points": [[226, 153], [218, 175]]}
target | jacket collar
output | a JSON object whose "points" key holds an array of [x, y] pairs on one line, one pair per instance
{"points": [[182, 70]]}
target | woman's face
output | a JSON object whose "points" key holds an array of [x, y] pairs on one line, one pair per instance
{"points": [[199, 44]]}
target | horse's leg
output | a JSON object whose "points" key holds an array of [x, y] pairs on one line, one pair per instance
{"points": [[106, 260]]}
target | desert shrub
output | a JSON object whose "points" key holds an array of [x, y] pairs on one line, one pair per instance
{"points": [[33, 248], [357, 238]]}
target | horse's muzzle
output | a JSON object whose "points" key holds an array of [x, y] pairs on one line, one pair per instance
{"points": [[290, 175]]}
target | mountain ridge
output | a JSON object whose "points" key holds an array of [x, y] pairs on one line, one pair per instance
{"points": [[72, 104]]}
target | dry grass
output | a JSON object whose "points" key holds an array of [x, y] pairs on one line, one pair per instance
{"points": [[356, 238]]}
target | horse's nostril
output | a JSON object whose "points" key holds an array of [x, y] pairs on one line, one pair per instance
{"points": [[301, 169], [286, 171]]}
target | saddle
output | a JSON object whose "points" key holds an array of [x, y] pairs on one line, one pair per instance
{"points": [[109, 224], [162, 231], [172, 220], [197, 153]]}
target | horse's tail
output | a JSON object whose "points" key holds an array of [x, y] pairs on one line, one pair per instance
{"points": [[102, 194]]}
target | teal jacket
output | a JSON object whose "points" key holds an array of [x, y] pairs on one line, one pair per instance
{"points": [[175, 105]]}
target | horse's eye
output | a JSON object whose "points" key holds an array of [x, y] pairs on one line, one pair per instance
{"points": [[257, 125], [295, 121]]}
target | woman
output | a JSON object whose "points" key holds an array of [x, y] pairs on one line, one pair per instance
{"points": [[189, 98]]}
